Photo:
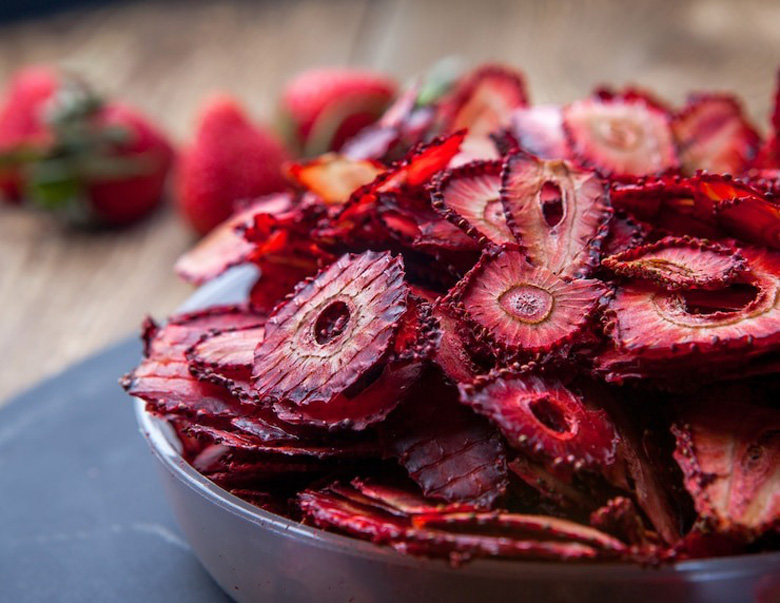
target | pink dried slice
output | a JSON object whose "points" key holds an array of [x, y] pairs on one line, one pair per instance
{"points": [[469, 196], [661, 324], [539, 131], [679, 263], [527, 309], [620, 136], [558, 214], [332, 330], [713, 134], [728, 446]]}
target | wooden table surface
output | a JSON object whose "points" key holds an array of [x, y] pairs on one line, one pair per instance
{"points": [[65, 294]]}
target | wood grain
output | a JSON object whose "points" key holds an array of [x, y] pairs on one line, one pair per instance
{"points": [[65, 294]]}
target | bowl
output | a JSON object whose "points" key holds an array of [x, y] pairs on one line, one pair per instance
{"points": [[255, 555]]}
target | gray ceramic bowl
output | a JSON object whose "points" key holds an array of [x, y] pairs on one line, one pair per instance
{"points": [[258, 556]]}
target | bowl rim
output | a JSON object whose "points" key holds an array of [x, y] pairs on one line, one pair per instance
{"points": [[161, 438]]}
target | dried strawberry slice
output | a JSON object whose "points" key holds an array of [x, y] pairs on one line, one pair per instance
{"points": [[620, 518], [332, 177], [226, 352], [751, 219], [662, 324], [225, 246], [544, 419], [728, 446], [625, 232], [680, 263], [555, 484], [518, 527], [620, 136], [469, 196], [483, 101], [332, 331], [524, 308], [558, 214], [366, 402], [713, 134], [539, 131], [163, 378], [452, 353], [401, 499], [451, 453]]}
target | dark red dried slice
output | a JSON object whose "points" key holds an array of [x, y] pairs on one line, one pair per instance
{"points": [[367, 401], [751, 219], [539, 131], [625, 232], [333, 330], [544, 419], [164, 380], [452, 353], [620, 518], [402, 500], [558, 214], [620, 136], [555, 484], [524, 308], [225, 246], [680, 263], [713, 134], [332, 177], [229, 350], [728, 446], [483, 101], [450, 452], [515, 526], [662, 324], [470, 197]]}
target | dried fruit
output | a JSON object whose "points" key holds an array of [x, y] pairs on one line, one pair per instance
{"points": [[332, 331], [620, 136], [526, 309], [728, 446], [469, 197], [557, 213], [543, 418], [679, 263], [478, 356], [713, 135]]}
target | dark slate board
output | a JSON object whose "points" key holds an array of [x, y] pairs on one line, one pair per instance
{"points": [[82, 514]]}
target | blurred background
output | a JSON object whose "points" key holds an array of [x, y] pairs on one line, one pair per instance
{"points": [[65, 293]]}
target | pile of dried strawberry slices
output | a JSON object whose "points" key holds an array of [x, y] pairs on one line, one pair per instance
{"points": [[486, 328]]}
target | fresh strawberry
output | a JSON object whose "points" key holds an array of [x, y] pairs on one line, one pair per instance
{"points": [[118, 201], [102, 165], [22, 126], [230, 160], [326, 107]]}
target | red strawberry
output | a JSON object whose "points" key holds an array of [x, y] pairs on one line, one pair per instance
{"points": [[22, 126], [325, 107], [118, 201], [230, 160]]}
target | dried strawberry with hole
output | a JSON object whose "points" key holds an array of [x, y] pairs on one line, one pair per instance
{"points": [[744, 317], [679, 263], [728, 446], [620, 136], [331, 331], [559, 214], [544, 419]]}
